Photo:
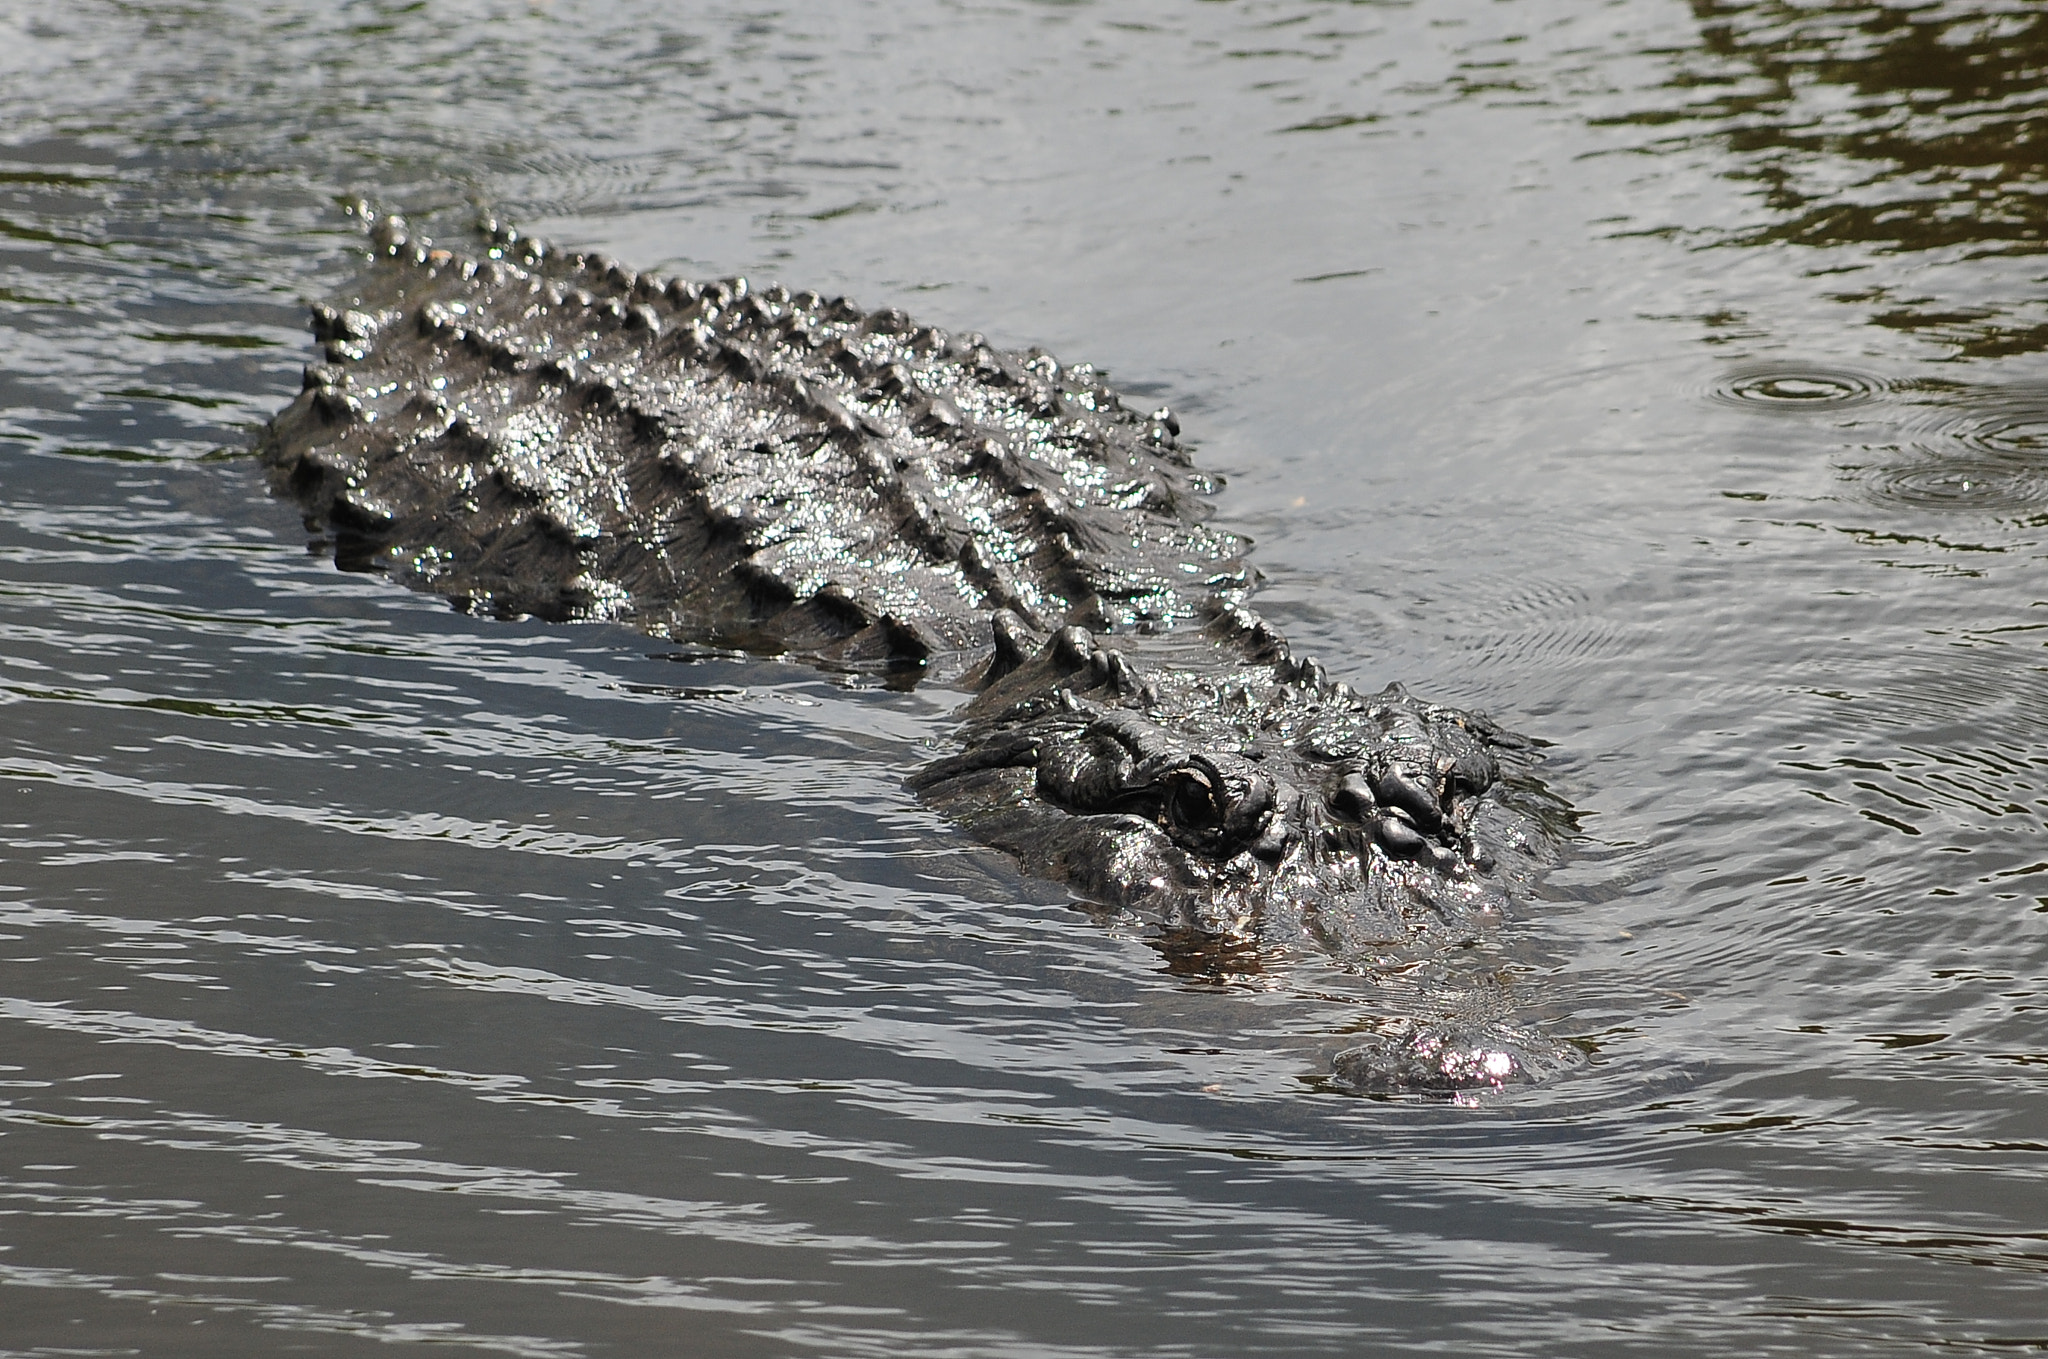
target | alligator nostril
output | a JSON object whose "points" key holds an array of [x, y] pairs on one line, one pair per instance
{"points": [[1408, 790], [1397, 836], [1274, 844], [1353, 798]]}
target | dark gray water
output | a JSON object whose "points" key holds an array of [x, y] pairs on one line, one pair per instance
{"points": [[1670, 382]]}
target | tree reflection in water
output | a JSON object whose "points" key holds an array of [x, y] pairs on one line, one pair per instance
{"points": [[1881, 130]]}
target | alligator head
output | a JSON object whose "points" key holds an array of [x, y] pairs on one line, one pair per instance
{"points": [[1240, 804], [1238, 798]]}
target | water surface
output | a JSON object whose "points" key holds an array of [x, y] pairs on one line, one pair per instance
{"points": [[1666, 380]]}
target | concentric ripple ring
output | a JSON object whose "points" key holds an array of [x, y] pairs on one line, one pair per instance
{"points": [[1796, 388]]}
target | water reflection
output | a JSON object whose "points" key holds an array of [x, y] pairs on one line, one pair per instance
{"points": [[1899, 152], [1939, 107], [1877, 129]]}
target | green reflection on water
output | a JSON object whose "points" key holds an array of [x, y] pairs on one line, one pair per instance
{"points": [[1884, 130]]}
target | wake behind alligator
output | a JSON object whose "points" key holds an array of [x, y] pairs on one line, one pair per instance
{"points": [[532, 432]]}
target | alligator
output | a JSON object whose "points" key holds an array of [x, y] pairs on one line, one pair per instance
{"points": [[528, 431]]}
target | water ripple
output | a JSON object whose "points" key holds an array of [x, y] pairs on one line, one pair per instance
{"points": [[1789, 388], [1964, 449]]}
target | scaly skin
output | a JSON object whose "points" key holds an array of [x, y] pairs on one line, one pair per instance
{"points": [[529, 432]]}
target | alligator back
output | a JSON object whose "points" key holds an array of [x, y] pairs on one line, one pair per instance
{"points": [[530, 432]]}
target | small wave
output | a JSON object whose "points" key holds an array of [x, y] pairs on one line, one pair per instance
{"points": [[1517, 621]]}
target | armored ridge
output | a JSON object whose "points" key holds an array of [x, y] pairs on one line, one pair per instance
{"points": [[554, 435], [532, 432]]}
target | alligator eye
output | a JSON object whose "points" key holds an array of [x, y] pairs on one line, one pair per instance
{"points": [[1193, 804], [1216, 805]]}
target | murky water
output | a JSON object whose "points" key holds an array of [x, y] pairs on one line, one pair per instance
{"points": [[1671, 382]]}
